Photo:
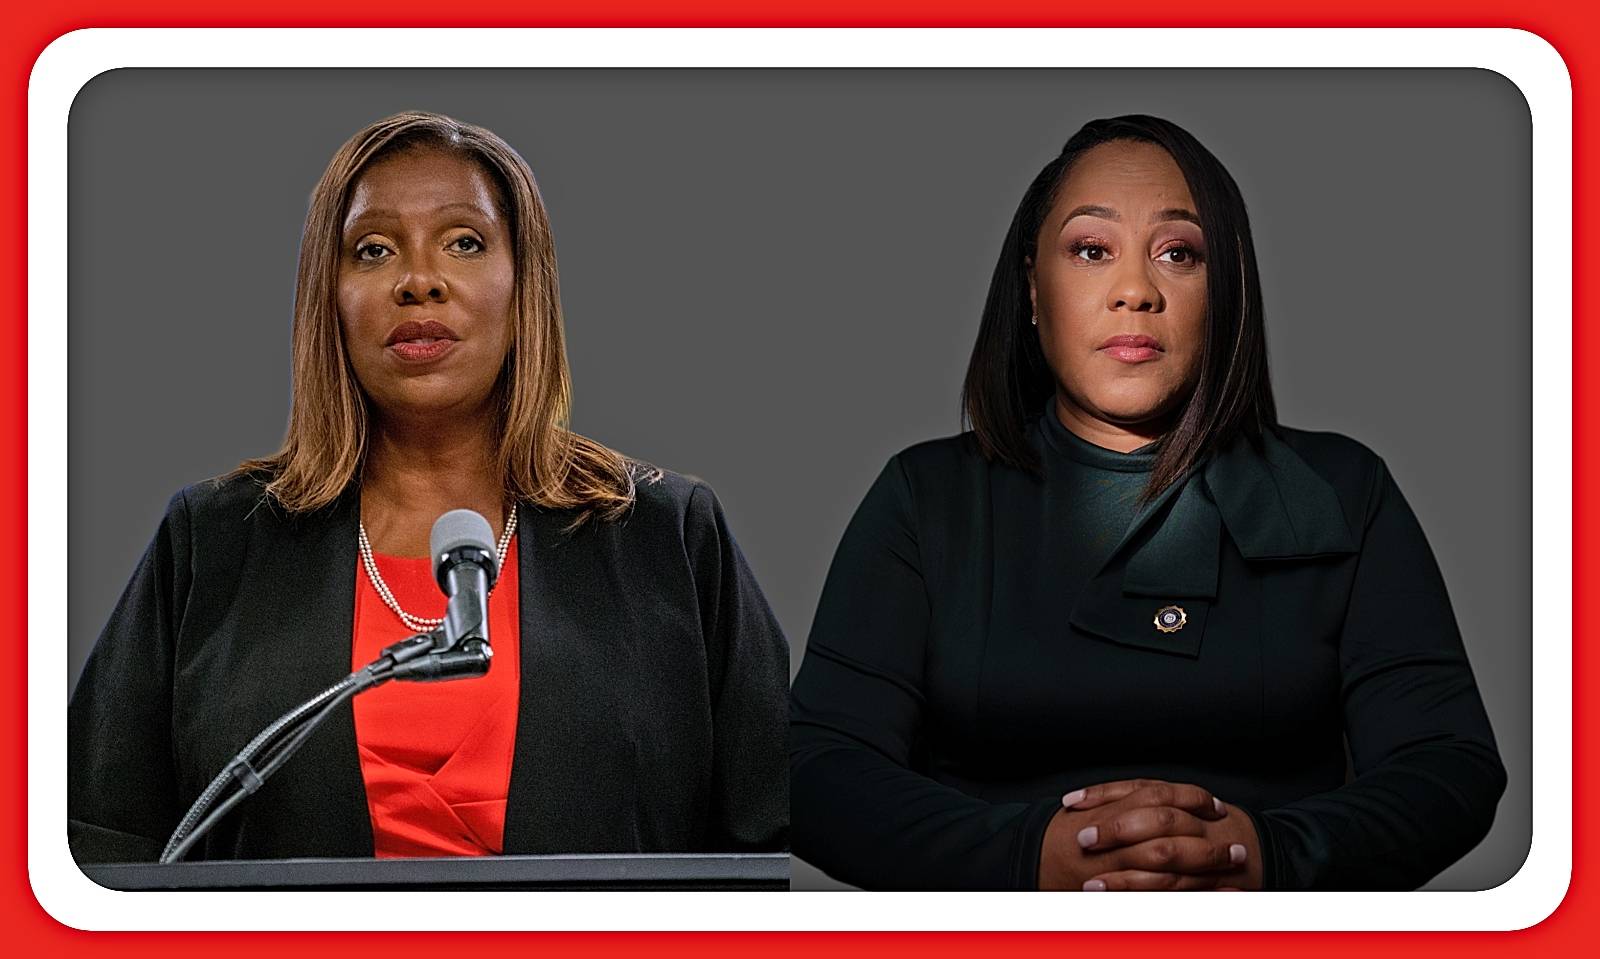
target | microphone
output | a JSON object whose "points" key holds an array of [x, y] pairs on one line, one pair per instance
{"points": [[465, 565]]}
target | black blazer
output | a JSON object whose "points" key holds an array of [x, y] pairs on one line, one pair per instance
{"points": [[953, 689], [652, 691]]}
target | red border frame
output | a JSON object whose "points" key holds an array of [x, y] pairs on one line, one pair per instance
{"points": [[1575, 35]]}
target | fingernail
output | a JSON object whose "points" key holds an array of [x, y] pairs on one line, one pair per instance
{"points": [[1095, 885], [1074, 797], [1088, 836], [1217, 803], [1236, 853]]}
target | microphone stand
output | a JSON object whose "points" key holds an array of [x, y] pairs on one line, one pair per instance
{"points": [[458, 649]]}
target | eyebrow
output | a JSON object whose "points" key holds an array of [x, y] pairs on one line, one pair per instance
{"points": [[380, 213], [1106, 213]]}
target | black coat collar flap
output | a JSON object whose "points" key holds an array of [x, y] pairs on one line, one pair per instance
{"points": [[1274, 505], [1158, 586]]}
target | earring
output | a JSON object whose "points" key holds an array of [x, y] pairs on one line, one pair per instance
{"points": [[1035, 319]]}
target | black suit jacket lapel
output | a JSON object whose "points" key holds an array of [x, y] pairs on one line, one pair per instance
{"points": [[310, 603]]}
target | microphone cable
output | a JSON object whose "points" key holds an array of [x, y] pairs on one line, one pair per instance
{"points": [[273, 746]]}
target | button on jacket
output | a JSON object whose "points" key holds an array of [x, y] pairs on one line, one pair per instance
{"points": [[1279, 599], [651, 686]]}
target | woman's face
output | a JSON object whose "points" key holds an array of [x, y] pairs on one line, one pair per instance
{"points": [[1119, 288], [426, 285]]}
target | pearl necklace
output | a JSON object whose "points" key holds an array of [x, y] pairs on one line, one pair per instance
{"points": [[423, 624]]}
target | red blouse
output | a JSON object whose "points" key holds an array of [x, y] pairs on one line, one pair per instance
{"points": [[436, 757]]}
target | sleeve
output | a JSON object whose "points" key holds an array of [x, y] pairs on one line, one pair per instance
{"points": [[748, 660], [1428, 776], [122, 793], [862, 813]]}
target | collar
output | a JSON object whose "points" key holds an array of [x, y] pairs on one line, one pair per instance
{"points": [[1273, 506]]}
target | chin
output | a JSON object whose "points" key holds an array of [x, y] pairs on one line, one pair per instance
{"points": [[1124, 409]]}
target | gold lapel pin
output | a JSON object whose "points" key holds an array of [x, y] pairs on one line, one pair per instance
{"points": [[1170, 619]]}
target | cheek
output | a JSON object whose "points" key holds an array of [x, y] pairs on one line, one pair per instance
{"points": [[505, 297], [504, 307], [348, 314], [1059, 290], [495, 290], [497, 297], [1189, 327], [1067, 316], [353, 300]]}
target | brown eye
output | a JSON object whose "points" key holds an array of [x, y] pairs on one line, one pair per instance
{"points": [[468, 244], [1093, 252], [375, 249], [1181, 256]]}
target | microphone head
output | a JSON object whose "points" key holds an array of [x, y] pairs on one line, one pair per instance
{"points": [[457, 530]]}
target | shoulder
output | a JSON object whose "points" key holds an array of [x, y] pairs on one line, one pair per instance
{"points": [[950, 467], [667, 501], [1331, 454], [943, 474], [959, 452], [220, 501], [236, 506], [660, 491], [934, 482], [1352, 468], [676, 521], [209, 523]]}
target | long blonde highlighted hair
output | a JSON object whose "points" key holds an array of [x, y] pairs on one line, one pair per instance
{"points": [[540, 459]]}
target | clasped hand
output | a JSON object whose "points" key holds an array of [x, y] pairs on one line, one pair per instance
{"points": [[1149, 834]]}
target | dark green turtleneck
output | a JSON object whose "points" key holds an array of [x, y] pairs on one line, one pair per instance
{"points": [[1100, 486]]}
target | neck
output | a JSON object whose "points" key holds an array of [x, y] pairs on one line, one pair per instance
{"points": [[1121, 437], [414, 474]]}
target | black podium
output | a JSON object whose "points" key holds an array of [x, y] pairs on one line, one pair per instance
{"points": [[738, 871]]}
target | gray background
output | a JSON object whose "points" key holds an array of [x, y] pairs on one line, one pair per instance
{"points": [[772, 280]]}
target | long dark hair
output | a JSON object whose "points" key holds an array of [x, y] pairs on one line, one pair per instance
{"points": [[1008, 380]]}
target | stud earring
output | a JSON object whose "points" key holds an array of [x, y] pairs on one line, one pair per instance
{"points": [[1035, 319]]}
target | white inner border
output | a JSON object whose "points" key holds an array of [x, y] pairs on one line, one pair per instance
{"points": [[1526, 60]]}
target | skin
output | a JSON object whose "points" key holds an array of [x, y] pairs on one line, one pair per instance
{"points": [[1121, 252], [424, 240], [1113, 258], [1149, 834]]}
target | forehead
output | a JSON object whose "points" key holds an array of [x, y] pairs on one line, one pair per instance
{"points": [[1125, 175], [423, 183]]}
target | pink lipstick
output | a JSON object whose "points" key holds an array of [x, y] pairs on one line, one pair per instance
{"points": [[1131, 348]]}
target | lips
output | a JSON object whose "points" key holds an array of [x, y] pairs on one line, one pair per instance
{"points": [[1131, 348], [422, 334], [1133, 340], [421, 351], [420, 342]]}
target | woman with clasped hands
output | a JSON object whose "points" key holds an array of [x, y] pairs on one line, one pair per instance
{"points": [[635, 699], [1116, 636]]}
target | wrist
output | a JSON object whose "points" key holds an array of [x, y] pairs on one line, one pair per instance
{"points": [[1242, 828], [1263, 851], [1060, 842]]}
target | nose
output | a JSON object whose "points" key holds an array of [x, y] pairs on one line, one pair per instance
{"points": [[423, 284], [1133, 289]]}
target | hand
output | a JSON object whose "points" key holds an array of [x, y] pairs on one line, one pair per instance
{"points": [[1160, 811], [1141, 834]]}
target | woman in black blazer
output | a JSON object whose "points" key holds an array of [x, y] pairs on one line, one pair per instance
{"points": [[646, 713], [1117, 635]]}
